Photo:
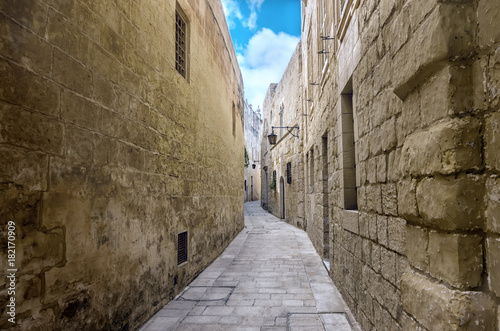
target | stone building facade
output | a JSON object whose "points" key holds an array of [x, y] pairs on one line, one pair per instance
{"points": [[121, 160], [253, 132], [282, 164], [399, 156]]}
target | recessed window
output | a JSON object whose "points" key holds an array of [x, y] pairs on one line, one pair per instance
{"points": [[234, 120], [342, 5], [289, 172], [282, 109], [311, 170], [182, 247], [181, 29], [309, 70], [344, 13], [349, 148], [321, 33]]}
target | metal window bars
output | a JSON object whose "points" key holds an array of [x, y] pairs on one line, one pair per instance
{"points": [[180, 44]]}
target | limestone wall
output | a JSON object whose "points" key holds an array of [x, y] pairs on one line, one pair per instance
{"points": [[404, 109], [282, 107], [448, 174], [107, 153]]}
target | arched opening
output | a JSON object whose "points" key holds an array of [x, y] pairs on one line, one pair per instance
{"points": [[251, 188], [264, 202]]}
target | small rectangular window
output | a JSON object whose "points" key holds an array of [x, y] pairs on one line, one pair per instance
{"points": [[182, 247], [180, 43], [234, 120], [289, 172]]}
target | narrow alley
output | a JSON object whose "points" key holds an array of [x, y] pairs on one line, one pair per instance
{"points": [[195, 164], [269, 278]]}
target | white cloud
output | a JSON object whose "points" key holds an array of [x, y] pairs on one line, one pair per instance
{"points": [[255, 4], [232, 11], [251, 22], [263, 62]]}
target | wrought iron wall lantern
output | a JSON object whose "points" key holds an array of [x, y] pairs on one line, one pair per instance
{"points": [[272, 137], [327, 38], [254, 165]]}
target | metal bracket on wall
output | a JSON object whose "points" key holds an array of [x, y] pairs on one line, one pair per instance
{"points": [[327, 38]]}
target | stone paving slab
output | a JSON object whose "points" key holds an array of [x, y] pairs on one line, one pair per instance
{"points": [[269, 278]]}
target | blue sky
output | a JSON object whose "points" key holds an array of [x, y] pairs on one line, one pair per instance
{"points": [[265, 34]]}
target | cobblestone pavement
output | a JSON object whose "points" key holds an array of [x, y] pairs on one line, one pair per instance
{"points": [[269, 278]]}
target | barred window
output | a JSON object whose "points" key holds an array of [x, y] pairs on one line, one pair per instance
{"points": [[180, 43], [289, 172]]}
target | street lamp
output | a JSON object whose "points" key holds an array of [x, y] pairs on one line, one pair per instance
{"points": [[272, 137]]}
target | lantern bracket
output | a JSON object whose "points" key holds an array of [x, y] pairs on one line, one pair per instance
{"points": [[272, 136]]}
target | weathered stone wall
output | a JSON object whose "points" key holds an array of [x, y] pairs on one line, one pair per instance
{"points": [[253, 132], [282, 107], [319, 99], [107, 153], [414, 84], [445, 140]]}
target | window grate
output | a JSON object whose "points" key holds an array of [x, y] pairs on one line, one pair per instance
{"points": [[182, 247], [180, 44], [289, 172]]}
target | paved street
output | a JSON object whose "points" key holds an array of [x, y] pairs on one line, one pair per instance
{"points": [[269, 278]]}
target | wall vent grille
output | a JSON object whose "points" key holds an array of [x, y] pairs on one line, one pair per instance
{"points": [[182, 247]]}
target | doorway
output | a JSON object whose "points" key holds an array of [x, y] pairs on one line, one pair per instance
{"points": [[282, 197], [251, 188], [265, 192], [326, 213]]}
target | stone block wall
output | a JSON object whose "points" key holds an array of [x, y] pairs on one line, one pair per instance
{"points": [[282, 107], [444, 167], [415, 85], [107, 153]]}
